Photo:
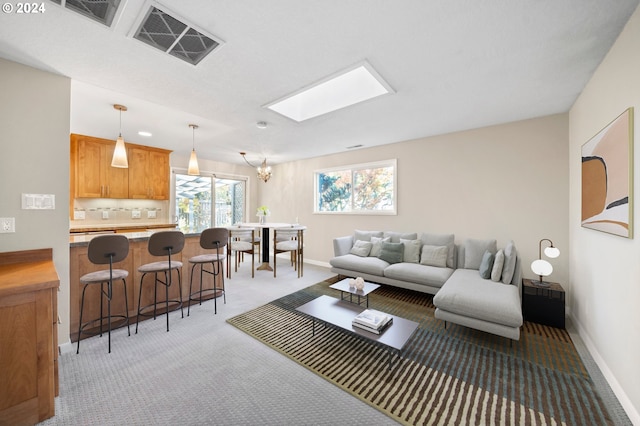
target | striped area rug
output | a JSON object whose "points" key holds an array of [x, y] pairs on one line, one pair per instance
{"points": [[451, 375]]}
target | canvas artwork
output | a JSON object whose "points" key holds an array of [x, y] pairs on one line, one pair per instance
{"points": [[607, 178]]}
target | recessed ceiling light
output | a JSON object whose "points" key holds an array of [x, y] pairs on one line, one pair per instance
{"points": [[354, 85], [145, 134]]}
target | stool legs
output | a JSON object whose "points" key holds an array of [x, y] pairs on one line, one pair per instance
{"points": [[167, 283], [109, 295], [213, 273]]}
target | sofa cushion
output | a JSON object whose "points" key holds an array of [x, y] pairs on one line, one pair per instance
{"points": [[391, 252], [474, 250], [498, 263], [412, 249], [361, 248], [434, 256], [397, 236], [377, 245], [368, 265], [417, 273], [486, 265], [366, 235], [466, 293], [442, 240], [509, 268]]}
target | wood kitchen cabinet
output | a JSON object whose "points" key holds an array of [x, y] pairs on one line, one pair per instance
{"points": [[28, 336], [92, 173], [148, 173]]}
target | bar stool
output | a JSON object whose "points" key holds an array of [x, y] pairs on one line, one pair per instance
{"points": [[212, 238], [164, 243], [102, 250]]}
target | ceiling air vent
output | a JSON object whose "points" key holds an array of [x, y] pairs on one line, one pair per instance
{"points": [[102, 11], [169, 34]]}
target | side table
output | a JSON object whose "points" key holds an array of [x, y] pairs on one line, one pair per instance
{"points": [[543, 305]]}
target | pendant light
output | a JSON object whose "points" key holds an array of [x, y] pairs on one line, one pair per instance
{"points": [[120, 153], [193, 169]]}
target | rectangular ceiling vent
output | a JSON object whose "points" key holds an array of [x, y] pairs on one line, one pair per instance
{"points": [[171, 35], [102, 11]]}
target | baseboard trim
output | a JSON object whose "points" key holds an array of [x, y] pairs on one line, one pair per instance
{"points": [[625, 402]]}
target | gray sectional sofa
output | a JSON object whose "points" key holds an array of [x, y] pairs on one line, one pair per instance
{"points": [[475, 284]]}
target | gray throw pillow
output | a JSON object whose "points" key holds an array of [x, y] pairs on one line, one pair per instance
{"points": [[391, 252], [377, 245], [366, 235], [434, 256], [509, 268], [474, 250], [411, 250], [361, 248], [486, 265], [498, 263], [442, 240]]}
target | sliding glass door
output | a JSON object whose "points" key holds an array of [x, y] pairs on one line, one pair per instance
{"points": [[203, 202]]}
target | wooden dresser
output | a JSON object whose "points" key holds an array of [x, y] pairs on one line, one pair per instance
{"points": [[28, 336]]}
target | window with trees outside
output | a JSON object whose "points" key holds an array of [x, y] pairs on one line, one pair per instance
{"points": [[357, 189]]}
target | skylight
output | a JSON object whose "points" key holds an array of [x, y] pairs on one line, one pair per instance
{"points": [[354, 85]]}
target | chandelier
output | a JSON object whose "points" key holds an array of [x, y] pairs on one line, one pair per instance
{"points": [[264, 171]]}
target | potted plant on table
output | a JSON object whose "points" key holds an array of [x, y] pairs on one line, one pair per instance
{"points": [[263, 212]]}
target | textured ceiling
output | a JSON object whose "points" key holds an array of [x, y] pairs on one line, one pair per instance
{"points": [[454, 65]]}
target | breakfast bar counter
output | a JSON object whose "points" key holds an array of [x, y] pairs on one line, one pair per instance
{"points": [[79, 265]]}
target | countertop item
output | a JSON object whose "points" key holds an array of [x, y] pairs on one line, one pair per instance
{"points": [[118, 227]]}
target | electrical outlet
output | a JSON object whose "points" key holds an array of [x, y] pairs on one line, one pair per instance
{"points": [[135, 214], [7, 224], [105, 214], [151, 214], [78, 215]]}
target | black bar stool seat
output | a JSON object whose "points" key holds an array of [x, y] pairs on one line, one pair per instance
{"points": [[105, 249], [164, 243], [210, 239]]}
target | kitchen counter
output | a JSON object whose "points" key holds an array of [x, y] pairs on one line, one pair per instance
{"points": [[79, 240], [119, 227]]}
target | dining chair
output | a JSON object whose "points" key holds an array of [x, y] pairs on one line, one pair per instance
{"points": [[240, 242], [289, 239]]}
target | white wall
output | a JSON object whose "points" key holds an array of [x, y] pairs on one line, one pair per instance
{"points": [[505, 182], [605, 269], [34, 113]]}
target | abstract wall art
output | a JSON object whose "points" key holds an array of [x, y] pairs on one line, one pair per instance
{"points": [[607, 178]]}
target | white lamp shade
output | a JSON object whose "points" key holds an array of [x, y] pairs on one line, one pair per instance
{"points": [[552, 252], [119, 158], [193, 169], [541, 267]]}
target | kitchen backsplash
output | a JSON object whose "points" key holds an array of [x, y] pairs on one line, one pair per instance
{"points": [[106, 211]]}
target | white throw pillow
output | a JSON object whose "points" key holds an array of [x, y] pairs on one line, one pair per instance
{"points": [[509, 268], [411, 250], [376, 248], [434, 256], [498, 263], [442, 240], [361, 248]]}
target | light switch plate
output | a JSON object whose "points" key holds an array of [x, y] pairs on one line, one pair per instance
{"points": [[135, 214], [151, 214], [78, 215]]}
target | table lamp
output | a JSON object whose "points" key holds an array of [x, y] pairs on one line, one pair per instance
{"points": [[541, 267]]}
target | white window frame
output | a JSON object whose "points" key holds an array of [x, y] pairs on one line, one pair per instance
{"points": [[354, 167]]}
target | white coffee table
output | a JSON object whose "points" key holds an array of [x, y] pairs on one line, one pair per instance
{"points": [[363, 294]]}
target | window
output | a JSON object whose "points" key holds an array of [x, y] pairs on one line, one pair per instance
{"points": [[358, 189], [202, 202]]}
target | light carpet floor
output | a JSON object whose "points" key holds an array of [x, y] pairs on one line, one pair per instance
{"points": [[205, 371]]}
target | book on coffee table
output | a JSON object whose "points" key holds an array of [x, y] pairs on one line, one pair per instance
{"points": [[372, 320]]}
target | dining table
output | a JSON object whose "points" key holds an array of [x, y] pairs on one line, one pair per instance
{"points": [[266, 226]]}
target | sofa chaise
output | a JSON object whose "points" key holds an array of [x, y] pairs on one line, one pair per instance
{"points": [[474, 284]]}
